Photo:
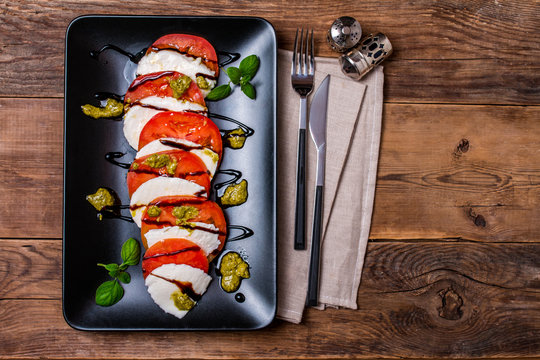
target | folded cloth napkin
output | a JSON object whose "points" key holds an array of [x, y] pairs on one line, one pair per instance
{"points": [[353, 137]]}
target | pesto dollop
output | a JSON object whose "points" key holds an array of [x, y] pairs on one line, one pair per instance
{"points": [[233, 269], [180, 85], [182, 301], [236, 138], [101, 198], [235, 194], [153, 211], [112, 108], [202, 83], [157, 160], [184, 213]]}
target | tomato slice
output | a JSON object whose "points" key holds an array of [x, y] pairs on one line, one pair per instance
{"points": [[179, 163], [185, 125], [189, 45], [175, 251], [208, 212], [158, 84]]}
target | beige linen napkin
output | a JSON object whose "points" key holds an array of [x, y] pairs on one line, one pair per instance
{"points": [[353, 136]]}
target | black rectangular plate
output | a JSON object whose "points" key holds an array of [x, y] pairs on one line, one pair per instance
{"points": [[88, 241]]}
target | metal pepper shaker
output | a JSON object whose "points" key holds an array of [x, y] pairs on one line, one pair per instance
{"points": [[369, 53], [344, 34]]}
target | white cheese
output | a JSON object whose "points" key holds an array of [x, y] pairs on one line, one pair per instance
{"points": [[207, 241], [161, 286], [157, 187], [170, 60], [207, 156]]}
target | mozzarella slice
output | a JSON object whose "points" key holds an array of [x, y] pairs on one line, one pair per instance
{"points": [[138, 115], [206, 240], [208, 157], [157, 187], [167, 60], [161, 285]]}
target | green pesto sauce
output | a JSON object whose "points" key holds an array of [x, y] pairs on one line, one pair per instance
{"points": [[235, 194], [180, 85], [233, 269], [182, 301], [153, 211], [184, 213], [171, 166], [236, 138], [112, 108], [202, 83], [101, 198], [157, 160]]}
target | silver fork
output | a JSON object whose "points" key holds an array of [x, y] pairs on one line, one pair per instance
{"points": [[302, 72]]}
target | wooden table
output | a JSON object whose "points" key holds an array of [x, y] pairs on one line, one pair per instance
{"points": [[453, 262]]}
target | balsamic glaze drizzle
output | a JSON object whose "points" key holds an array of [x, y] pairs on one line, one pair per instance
{"points": [[248, 131], [245, 232], [133, 57], [230, 57], [112, 155], [236, 175]]}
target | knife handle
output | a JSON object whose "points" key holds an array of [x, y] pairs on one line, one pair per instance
{"points": [[300, 213], [313, 280]]}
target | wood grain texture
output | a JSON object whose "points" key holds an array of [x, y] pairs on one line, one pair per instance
{"points": [[31, 134], [445, 171], [445, 51], [416, 299], [458, 172]]}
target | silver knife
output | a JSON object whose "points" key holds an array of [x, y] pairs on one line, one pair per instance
{"points": [[317, 128]]}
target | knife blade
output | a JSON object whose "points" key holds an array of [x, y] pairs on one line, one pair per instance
{"points": [[317, 128]]}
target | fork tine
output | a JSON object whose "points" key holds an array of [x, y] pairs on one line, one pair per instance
{"points": [[311, 57], [302, 54], [293, 65]]}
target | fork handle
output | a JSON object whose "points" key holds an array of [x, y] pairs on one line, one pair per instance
{"points": [[300, 214]]}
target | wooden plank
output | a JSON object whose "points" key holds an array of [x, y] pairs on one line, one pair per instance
{"points": [[31, 159], [458, 172], [432, 299], [445, 51], [431, 182]]}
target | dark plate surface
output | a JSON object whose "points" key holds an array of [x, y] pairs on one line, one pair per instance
{"points": [[88, 241]]}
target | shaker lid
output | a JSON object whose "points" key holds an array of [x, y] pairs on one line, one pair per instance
{"points": [[344, 34]]}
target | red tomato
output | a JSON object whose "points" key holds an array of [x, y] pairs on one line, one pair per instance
{"points": [[190, 45], [188, 166], [158, 84], [173, 251], [209, 213], [185, 125]]}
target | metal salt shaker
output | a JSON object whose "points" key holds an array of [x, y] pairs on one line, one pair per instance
{"points": [[369, 53], [344, 34]]}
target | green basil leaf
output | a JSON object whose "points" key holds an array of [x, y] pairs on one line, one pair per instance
{"points": [[234, 74], [249, 66], [124, 277], [218, 93], [114, 273], [131, 252], [123, 266], [249, 90], [109, 293], [110, 267]]}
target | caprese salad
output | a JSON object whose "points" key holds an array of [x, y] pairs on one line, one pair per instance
{"points": [[178, 152]]}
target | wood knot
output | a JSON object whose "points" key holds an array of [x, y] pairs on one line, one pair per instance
{"points": [[478, 220], [461, 148], [451, 304]]}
